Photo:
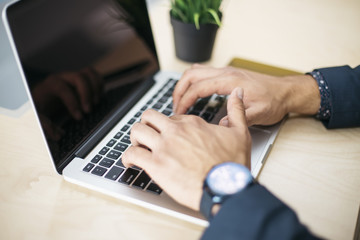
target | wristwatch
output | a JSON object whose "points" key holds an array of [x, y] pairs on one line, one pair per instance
{"points": [[223, 181]]}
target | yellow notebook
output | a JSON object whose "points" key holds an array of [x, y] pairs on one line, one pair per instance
{"points": [[261, 68]]}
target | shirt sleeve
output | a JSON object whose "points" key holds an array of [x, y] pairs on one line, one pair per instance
{"points": [[255, 213], [340, 96]]}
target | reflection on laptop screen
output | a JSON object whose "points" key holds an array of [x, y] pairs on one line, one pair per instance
{"points": [[81, 59]]}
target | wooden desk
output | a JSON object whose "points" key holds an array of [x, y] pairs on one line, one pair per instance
{"points": [[314, 170]]}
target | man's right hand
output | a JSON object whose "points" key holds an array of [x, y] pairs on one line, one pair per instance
{"points": [[267, 98]]}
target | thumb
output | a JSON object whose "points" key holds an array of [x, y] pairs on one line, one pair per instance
{"points": [[236, 108]]}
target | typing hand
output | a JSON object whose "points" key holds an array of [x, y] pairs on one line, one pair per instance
{"points": [[177, 152], [268, 98]]}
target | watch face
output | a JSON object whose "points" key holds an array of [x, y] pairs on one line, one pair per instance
{"points": [[228, 178]]}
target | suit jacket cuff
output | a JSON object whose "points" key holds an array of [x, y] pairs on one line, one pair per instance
{"points": [[344, 86], [255, 214]]}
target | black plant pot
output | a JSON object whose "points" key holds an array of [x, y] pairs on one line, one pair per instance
{"points": [[191, 44]]}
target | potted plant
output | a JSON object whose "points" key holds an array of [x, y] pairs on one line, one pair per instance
{"points": [[195, 23]]}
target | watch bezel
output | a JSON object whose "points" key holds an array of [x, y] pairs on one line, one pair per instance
{"points": [[216, 176], [210, 198]]}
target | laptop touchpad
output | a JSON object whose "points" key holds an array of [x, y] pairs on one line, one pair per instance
{"points": [[260, 137]]}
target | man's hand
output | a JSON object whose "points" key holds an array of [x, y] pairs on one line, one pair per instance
{"points": [[268, 98], [178, 152]]}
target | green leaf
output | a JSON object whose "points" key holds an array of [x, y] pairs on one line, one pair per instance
{"points": [[178, 14], [215, 16], [196, 11], [181, 4], [196, 20]]}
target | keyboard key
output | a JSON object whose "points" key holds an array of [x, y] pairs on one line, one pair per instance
{"points": [[114, 173], [111, 143], [166, 112], [199, 106], [128, 176], [220, 98], [113, 154], [99, 171], [106, 162], [194, 112], [131, 121], [170, 106], [214, 103], [144, 108], [88, 167], [119, 163], [125, 128], [150, 101], [168, 93], [153, 187], [211, 109], [157, 106], [207, 116], [138, 114], [126, 139], [118, 135], [121, 147], [96, 159], [142, 180], [163, 100], [136, 167], [104, 150]]}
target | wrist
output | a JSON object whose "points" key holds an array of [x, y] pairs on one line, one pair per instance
{"points": [[215, 209], [302, 95]]}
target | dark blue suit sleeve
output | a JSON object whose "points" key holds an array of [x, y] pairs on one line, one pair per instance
{"points": [[255, 214], [344, 86]]}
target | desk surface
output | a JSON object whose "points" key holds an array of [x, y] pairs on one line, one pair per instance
{"points": [[314, 170]]}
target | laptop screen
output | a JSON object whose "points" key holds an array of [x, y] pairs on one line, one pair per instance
{"points": [[82, 59]]}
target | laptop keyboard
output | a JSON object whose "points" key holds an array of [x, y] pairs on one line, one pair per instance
{"points": [[108, 163]]}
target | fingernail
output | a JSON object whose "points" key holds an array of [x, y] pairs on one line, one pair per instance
{"points": [[225, 122], [240, 93], [174, 107]]}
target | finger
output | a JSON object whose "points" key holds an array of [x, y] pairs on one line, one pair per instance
{"points": [[236, 108], [193, 119], [202, 89], [190, 76], [143, 135], [177, 117], [154, 119], [252, 115], [68, 97], [82, 88], [139, 157], [224, 121]]}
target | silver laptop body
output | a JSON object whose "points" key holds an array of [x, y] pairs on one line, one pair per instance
{"points": [[114, 38]]}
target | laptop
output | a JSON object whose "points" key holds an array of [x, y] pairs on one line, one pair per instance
{"points": [[102, 51]]}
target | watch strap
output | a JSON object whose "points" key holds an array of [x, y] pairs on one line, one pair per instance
{"points": [[206, 204]]}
